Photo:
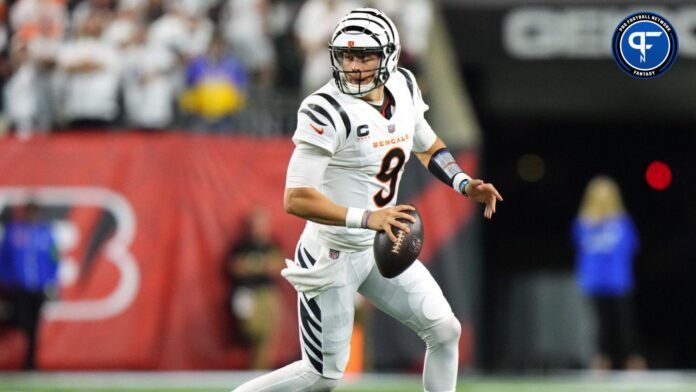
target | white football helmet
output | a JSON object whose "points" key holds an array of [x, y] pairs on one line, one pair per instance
{"points": [[364, 30]]}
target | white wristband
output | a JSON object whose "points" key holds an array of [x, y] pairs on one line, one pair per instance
{"points": [[457, 182], [354, 217]]}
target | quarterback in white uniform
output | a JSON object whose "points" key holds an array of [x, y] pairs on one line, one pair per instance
{"points": [[353, 138]]}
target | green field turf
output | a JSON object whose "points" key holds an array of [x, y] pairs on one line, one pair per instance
{"points": [[224, 381]]}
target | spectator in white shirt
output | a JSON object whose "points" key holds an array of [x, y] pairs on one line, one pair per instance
{"points": [[85, 8], [123, 27], [246, 30], [26, 16], [184, 29], [89, 70], [29, 92], [186, 32], [147, 90], [20, 93]]}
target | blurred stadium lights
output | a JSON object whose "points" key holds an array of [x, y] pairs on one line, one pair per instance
{"points": [[531, 167]]}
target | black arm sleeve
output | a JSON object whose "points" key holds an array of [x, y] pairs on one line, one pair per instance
{"points": [[443, 166]]}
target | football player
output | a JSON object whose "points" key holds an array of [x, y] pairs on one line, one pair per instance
{"points": [[353, 138]]}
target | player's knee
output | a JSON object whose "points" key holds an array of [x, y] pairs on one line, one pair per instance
{"points": [[444, 333], [449, 331]]}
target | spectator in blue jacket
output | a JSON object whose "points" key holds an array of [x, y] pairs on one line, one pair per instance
{"points": [[606, 241], [28, 271]]}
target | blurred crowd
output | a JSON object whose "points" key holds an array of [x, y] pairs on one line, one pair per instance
{"points": [[199, 65]]}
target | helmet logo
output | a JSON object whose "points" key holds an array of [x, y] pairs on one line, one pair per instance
{"points": [[351, 44]]}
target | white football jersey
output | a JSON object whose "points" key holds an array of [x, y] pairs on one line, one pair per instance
{"points": [[369, 152]]}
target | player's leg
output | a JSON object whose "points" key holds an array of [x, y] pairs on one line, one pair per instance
{"points": [[415, 299], [325, 328], [296, 376]]}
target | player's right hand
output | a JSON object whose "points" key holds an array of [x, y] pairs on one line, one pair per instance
{"points": [[385, 218]]}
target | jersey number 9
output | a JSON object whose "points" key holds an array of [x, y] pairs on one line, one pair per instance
{"points": [[389, 173]]}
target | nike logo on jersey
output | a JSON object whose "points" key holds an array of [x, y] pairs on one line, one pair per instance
{"points": [[317, 130]]}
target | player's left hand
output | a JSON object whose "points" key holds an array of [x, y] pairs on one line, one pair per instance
{"points": [[483, 192]]}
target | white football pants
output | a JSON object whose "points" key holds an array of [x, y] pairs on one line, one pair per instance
{"points": [[326, 322]]}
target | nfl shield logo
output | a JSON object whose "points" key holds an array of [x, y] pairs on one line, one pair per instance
{"points": [[391, 128], [333, 254]]}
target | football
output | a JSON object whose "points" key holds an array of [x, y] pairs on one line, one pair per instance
{"points": [[394, 258]]}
